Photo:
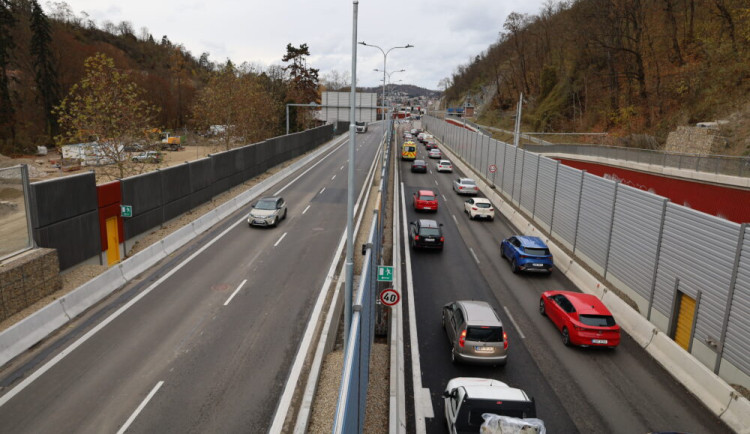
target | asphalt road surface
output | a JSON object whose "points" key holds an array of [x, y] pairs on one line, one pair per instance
{"points": [[576, 389], [207, 337]]}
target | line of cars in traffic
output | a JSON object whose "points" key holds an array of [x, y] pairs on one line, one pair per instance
{"points": [[474, 329]]}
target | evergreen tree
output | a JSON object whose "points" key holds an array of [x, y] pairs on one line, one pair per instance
{"points": [[45, 72], [7, 113]]}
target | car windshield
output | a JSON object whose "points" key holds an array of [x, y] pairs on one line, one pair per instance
{"points": [[266, 204], [535, 252], [484, 334], [430, 232], [597, 320], [426, 197]]}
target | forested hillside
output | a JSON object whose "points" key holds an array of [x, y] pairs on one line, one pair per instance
{"points": [[622, 66], [43, 61]]}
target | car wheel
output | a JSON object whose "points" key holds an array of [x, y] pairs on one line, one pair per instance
{"points": [[492, 219], [275, 222], [502, 252], [514, 266], [541, 307], [285, 211], [454, 360], [566, 336]]}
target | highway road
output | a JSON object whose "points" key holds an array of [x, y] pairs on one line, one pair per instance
{"points": [[576, 389], [205, 340]]}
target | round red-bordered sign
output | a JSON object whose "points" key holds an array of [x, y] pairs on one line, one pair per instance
{"points": [[390, 297], [493, 168]]}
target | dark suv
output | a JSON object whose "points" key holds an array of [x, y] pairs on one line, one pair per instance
{"points": [[426, 234]]}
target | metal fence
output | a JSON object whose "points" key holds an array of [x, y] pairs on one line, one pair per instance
{"points": [[15, 224], [655, 252], [716, 164], [350, 410]]}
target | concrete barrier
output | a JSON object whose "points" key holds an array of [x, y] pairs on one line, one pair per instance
{"points": [[23, 335], [177, 239], [141, 261], [718, 396], [91, 292]]}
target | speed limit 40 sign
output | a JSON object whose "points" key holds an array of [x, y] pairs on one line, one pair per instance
{"points": [[390, 297]]}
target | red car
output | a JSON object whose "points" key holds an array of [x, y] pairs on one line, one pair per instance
{"points": [[425, 200], [582, 318]]}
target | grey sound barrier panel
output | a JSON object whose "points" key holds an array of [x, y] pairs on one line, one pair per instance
{"points": [[517, 173], [143, 222], [528, 181], [76, 239], [566, 203], [143, 192], [595, 219], [545, 190], [201, 175], [699, 249], [737, 344], [59, 199], [510, 165], [635, 238], [175, 182]]}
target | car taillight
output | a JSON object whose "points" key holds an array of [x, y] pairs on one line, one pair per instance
{"points": [[492, 209], [505, 340], [473, 208], [462, 339], [442, 239], [416, 237]]}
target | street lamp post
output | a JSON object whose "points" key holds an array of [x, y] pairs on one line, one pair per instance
{"points": [[385, 56], [389, 80]]}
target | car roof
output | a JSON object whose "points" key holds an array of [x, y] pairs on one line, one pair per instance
{"points": [[418, 161], [586, 304], [486, 388], [428, 223], [479, 312], [462, 180], [270, 198], [445, 162], [532, 242]]}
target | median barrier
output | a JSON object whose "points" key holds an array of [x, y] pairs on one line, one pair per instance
{"points": [[637, 326], [91, 292], [24, 334], [177, 239], [141, 261], [204, 222]]}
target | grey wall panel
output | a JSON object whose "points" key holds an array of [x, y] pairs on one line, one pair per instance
{"points": [[175, 182], [143, 192], [567, 196], [737, 343], [510, 166], [517, 174], [201, 175], [699, 249], [594, 222], [223, 164], [500, 163], [76, 238], [635, 238], [177, 207], [201, 196], [221, 185], [143, 222], [528, 181], [545, 190], [59, 199]]}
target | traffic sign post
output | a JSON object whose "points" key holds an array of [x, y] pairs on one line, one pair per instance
{"points": [[385, 273], [390, 297], [493, 169], [126, 211]]}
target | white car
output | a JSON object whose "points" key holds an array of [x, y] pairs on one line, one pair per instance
{"points": [[479, 207], [465, 186], [444, 166], [435, 153], [268, 211]]}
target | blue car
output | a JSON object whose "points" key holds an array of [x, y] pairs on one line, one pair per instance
{"points": [[527, 254]]}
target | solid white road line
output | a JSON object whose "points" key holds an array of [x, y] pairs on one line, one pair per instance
{"points": [[515, 324], [341, 168], [282, 237], [306, 208], [416, 369], [436, 183], [321, 191], [474, 255], [235, 292], [333, 177], [444, 198], [140, 408], [454, 218]]}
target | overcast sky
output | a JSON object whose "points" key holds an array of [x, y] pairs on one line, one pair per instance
{"points": [[445, 34]]}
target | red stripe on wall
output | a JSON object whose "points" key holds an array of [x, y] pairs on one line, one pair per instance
{"points": [[109, 196], [730, 203]]}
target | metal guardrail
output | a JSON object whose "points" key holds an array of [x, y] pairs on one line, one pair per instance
{"points": [[716, 164], [350, 410], [15, 220]]}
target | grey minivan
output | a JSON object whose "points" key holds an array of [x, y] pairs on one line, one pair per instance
{"points": [[475, 333]]}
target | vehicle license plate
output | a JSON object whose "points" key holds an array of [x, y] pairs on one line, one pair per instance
{"points": [[538, 265], [483, 349], [429, 240], [598, 341], [260, 222]]}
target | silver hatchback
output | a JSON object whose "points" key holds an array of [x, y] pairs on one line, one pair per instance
{"points": [[475, 333]]}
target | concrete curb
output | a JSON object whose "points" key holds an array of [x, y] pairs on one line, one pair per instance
{"points": [[718, 396], [32, 329]]}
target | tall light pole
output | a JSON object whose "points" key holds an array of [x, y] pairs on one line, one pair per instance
{"points": [[389, 78], [385, 56]]}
